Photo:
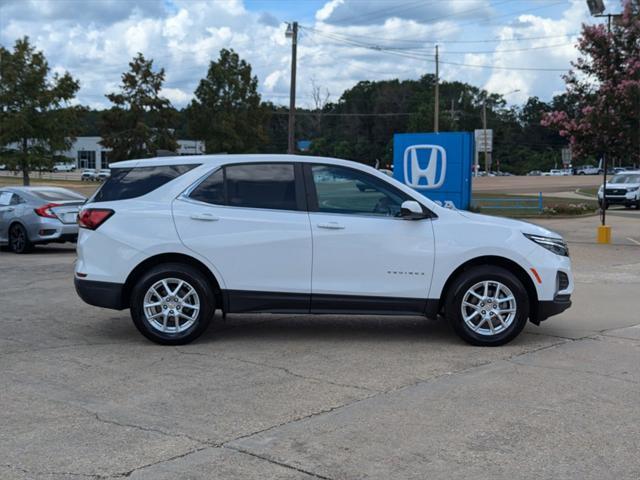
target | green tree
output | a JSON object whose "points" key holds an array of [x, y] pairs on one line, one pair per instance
{"points": [[35, 111], [139, 124], [604, 87], [226, 112]]}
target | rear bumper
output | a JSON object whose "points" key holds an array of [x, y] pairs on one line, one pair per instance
{"points": [[549, 308], [100, 294]]}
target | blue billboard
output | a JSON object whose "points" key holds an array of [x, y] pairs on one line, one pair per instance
{"points": [[438, 165]]}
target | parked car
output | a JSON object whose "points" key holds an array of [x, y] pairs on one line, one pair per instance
{"points": [[103, 174], [3, 167], [622, 189], [555, 172], [37, 215], [588, 170], [534, 173], [174, 239], [89, 175], [63, 167]]}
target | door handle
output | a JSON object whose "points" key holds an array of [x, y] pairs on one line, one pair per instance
{"points": [[331, 226], [10, 209], [207, 217]]}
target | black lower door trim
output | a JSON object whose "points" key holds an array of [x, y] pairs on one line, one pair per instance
{"points": [[244, 301], [356, 304]]}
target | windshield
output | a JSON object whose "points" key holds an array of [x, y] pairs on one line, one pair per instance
{"points": [[625, 178]]}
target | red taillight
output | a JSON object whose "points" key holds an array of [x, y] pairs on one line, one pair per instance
{"points": [[92, 218], [45, 210]]}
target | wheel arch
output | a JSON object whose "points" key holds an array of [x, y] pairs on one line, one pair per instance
{"points": [[161, 258], [498, 261]]}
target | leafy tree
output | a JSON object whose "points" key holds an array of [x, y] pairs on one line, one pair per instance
{"points": [[139, 123], [604, 91], [226, 112], [35, 112]]}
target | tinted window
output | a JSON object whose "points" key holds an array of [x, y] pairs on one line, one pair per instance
{"points": [[55, 195], [347, 191], [263, 185], [127, 183], [211, 190]]}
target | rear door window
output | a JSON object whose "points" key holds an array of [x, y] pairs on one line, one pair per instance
{"points": [[126, 183], [255, 185]]}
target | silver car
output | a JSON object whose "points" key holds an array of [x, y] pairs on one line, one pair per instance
{"points": [[37, 215]]}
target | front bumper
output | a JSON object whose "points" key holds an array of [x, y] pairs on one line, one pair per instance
{"points": [[547, 308], [101, 294]]}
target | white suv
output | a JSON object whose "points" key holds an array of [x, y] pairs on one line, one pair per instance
{"points": [[176, 238]]}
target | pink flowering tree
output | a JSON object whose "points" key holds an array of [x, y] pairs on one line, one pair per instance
{"points": [[603, 89]]}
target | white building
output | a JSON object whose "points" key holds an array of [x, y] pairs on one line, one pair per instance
{"points": [[87, 152]]}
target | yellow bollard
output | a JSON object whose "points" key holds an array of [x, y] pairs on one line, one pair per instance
{"points": [[604, 234]]}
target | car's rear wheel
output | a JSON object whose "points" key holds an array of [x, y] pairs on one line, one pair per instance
{"points": [[487, 306], [172, 304], [19, 239]]}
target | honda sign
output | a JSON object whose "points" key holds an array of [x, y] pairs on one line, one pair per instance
{"points": [[438, 165]]}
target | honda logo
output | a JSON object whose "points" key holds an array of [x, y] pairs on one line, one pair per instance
{"points": [[429, 156]]}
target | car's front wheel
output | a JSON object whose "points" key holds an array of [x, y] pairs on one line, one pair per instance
{"points": [[487, 306], [172, 304]]}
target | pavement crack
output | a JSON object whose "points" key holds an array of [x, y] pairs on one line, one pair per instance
{"points": [[276, 462], [53, 474], [128, 473], [149, 429], [574, 370], [282, 369]]}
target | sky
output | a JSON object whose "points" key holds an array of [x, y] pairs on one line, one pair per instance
{"points": [[516, 47]]}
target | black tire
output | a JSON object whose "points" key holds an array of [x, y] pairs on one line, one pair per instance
{"points": [[179, 271], [19, 239], [469, 278], [606, 205]]}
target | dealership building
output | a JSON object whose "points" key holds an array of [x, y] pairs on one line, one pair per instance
{"points": [[87, 152]]}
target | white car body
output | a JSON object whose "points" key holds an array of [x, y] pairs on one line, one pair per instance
{"points": [[622, 189], [383, 264], [63, 167], [89, 174]]}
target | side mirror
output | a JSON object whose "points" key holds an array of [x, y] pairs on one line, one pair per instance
{"points": [[412, 210]]}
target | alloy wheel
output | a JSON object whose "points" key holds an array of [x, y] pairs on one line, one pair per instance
{"points": [[171, 306], [17, 238], [488, 308]]}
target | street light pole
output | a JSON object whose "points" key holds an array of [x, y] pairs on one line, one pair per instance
{"points": [[436, 109], [292, 32]]}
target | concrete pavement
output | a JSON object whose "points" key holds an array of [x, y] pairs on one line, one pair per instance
{"points": [[83, 395]]}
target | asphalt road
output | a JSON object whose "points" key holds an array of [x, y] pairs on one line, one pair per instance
{"points": [[83, 395]]}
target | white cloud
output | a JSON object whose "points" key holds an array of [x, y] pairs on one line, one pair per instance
{"points": [[95, 41]]}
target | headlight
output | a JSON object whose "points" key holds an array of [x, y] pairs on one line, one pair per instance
{"points": [[555, 245]]}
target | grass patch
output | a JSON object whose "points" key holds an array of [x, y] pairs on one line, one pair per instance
{"points": [[17, 180], [590, 191], [551, 206]]}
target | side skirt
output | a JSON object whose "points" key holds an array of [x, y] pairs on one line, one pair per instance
{"points": [[242, 301]]}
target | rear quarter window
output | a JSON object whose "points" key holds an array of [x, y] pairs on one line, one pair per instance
{"points": [[126, 183]]}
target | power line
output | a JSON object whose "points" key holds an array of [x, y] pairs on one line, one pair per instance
{"points": [[443, 42], [429, 58]]}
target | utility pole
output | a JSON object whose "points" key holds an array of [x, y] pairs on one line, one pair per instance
{"points": [[436, 110], [292, 32], [484, 134]]}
